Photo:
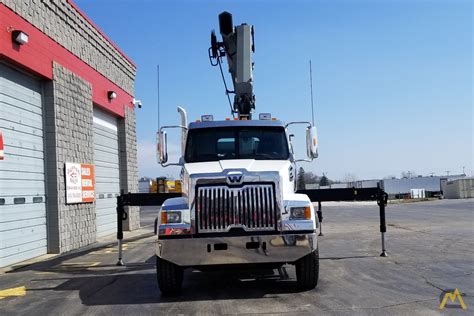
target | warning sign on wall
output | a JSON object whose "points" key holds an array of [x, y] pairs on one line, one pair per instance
{"points": [[80, 184]]}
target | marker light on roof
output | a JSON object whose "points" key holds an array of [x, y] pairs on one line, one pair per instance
{"points": [[265, 116], [207, 118]]}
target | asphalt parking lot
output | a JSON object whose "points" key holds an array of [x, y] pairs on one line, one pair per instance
{"points": [[429, 244]]}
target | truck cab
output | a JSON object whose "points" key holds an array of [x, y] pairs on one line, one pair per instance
{"points": [[238, 207]]}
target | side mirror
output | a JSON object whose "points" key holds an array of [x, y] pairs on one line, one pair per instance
{"points": [[312, 142], [162, 147]]}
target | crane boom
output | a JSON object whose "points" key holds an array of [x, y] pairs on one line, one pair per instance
{"points": [[237, 45]]}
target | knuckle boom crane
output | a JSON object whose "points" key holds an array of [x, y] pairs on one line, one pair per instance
{"points": [[237, 45]]}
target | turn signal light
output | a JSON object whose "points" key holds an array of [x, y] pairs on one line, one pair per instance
{"points": [[164, 218]]}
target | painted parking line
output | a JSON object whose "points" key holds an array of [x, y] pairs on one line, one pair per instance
{"points": [[80, 264], [111, 249], [15, 291]]}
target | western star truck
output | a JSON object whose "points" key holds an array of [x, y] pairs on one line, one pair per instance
{"points": [[238, 206]]}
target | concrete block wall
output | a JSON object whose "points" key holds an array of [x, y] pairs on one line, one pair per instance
{"points": [[68, 116], [69, 138], [60, 21], [128, 165]]}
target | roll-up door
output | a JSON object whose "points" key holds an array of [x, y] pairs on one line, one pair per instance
{"points": [[107, 177], [22, 179]]}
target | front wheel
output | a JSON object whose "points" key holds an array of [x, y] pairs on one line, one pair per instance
{"points": [[169, 275], [307, 271]]}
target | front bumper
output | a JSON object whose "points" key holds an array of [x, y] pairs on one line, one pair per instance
{"points": [[236, 250]]}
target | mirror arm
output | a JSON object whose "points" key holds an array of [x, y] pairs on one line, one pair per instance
{"points": [[170, 164], [173, 126], [301, 122], [166, 149], [304, 160]]}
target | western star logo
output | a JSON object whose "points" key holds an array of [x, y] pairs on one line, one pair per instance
{"points": [[235, 178]]}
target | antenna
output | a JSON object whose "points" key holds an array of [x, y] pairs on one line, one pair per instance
{"points": [[158, 94], [311, 85]]}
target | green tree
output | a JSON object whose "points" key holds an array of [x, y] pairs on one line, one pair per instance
{"points": [[324, 181], [300, 181]]}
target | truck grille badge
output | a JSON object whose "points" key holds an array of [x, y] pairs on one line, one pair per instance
{"points": [[235, 178]]}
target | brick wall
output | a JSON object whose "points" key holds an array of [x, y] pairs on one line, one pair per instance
{"points": [[69, 138], [60, 21], [128, 164]]}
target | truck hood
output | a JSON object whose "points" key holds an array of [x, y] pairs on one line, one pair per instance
{"points": [[277, 171], [251, 165]]}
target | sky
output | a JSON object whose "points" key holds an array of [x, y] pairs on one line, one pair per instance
{"points": [[392, 80]]}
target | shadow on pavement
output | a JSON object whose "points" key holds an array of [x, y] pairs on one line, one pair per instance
{"points": [[142, 288], [53, 264]]}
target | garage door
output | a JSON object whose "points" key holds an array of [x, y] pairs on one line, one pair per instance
{"points": [[22, 181], [107, 179]]}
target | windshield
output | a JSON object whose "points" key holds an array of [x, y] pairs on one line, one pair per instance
{"points": [[212, 144]]}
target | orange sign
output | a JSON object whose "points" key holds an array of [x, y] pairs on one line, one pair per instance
{"points": [[88, 185]]}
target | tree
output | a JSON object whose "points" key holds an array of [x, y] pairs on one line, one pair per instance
{"points": [[310, 178], [408, 174], [300, 181], [349, 177], [324, 181]]}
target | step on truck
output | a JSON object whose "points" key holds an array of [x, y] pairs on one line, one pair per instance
{"points": [[238, 206]]}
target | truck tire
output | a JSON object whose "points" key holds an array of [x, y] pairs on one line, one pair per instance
{"points": [[169, 275], [307, 271]]}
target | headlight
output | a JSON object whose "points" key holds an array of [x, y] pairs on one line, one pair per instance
{"points": [[300, 213], [171, 217]]}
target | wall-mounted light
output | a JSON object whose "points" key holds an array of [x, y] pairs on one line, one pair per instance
{"points": [[111, 95], [19, 37]]}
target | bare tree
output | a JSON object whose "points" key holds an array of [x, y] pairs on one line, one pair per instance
{"points": [[310, 178], [349, 177], [408, 174]]}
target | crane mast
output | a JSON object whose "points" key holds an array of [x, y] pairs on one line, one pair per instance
{"points": [[238, 46]]}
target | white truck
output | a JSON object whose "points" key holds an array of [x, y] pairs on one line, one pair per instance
{"points": [[238, 206]]}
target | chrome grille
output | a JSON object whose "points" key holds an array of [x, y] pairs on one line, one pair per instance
{"points": [[251, 207]]}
